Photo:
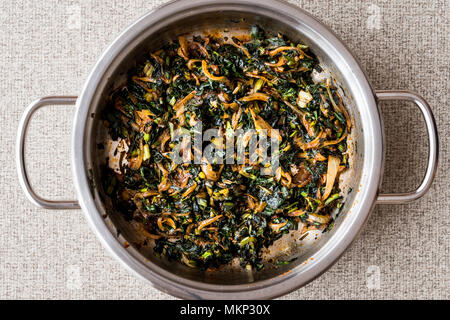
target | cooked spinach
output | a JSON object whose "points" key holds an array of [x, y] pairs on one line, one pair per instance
{"points": [[207, 215]]}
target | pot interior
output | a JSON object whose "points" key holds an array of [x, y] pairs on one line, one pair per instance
{"points": [[287, 248]]}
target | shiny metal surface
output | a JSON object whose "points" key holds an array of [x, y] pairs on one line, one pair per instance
{"points": [[433, 147], [20, 154], [149, 33]]}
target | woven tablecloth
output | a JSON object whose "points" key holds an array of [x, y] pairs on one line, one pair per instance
{"points": [[49, 47]]}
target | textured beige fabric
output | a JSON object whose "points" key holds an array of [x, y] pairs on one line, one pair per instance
{"points": [[49, 47]]}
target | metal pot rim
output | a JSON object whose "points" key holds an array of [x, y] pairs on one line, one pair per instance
{"points": [[270, 288]]}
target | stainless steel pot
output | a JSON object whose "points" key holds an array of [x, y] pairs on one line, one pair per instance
{"points": [[148, 33]]}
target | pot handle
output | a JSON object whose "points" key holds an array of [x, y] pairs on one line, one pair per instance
{"points": [[20, 154], [433, 147]]}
